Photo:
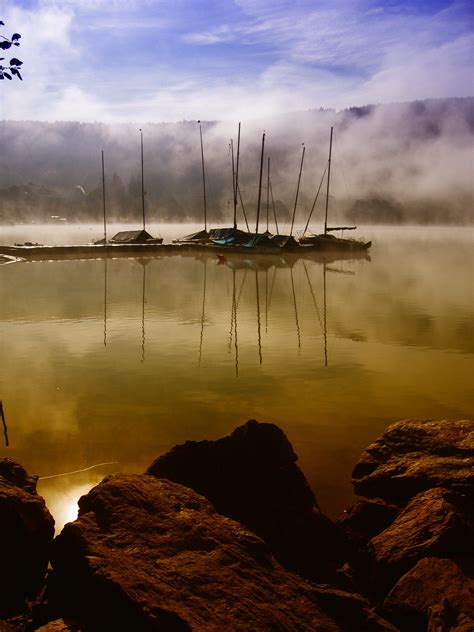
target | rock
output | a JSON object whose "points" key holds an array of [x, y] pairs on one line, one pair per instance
{"points": [[149, 554], [26, 529], [351, 611], [251, 476], [59, 625], [436, 592], [413, 456], [366, 519], [361, 522], [435, 522]]}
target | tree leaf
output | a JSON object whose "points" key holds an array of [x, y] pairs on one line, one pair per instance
{"points": [[19, 76], [7, 75], [15, 36], [2, 23], [5, 45], [15, 62]]}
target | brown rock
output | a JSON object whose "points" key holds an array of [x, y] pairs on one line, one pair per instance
{"points": [[435, 522], [59, 625], [148, 554], [351, 611], [26, 529], [367, 518], [413, 456], [438, 593], [251, 476]]}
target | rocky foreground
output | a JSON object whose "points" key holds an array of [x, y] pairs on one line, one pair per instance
{"points": [[227, 535]]}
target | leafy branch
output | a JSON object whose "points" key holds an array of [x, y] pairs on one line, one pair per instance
{"points": [[14, 64]]}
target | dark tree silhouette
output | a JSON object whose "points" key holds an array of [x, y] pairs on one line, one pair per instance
{"points": [[14, 64]]}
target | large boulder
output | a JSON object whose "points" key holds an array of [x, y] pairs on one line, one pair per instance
{"points": [[26, 529], [436, 522], [148, 554], [251, 476], [436, 592], [413, 456]]}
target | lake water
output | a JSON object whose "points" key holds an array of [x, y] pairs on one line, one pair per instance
{"points": [[109, 364]]}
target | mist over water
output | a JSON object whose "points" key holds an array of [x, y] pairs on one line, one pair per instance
{"points": [[113, 362], [408, 162]]}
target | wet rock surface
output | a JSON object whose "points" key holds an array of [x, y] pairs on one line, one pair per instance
{"points": [[413, 456], [26, 529], [251, 476], [436, 592], [435, 522], [151, 554]]}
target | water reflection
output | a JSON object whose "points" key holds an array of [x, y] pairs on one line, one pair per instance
{"points": [[118, 360]]}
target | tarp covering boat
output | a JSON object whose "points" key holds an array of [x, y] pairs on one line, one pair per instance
{"points": [[329, 242], [202, 236], [134, 237]]}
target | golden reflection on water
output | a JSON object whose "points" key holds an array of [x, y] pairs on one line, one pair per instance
{"points": [[117, 361]]}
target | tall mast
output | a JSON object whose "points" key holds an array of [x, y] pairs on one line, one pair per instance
{"points": [[203, 178], [234, 191], [268, 187], [327, 191], [143, 181], [103, 199], [297, 191], [260, 182], [273, 205], [236, 179]]}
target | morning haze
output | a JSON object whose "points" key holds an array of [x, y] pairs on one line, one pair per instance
{"points": [[404, 162]]}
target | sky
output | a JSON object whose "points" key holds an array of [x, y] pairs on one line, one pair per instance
{"points": [[164, 60]]}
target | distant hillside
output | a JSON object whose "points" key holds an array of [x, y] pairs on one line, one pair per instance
{"points": [[392, 163]]}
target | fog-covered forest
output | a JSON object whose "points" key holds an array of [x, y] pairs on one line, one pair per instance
{"points": [[409, 162]]}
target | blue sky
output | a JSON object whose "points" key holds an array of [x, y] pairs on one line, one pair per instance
{"points": [[158, 60]]}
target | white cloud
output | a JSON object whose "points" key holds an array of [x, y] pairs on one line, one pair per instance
{"points": [[330, 55]]}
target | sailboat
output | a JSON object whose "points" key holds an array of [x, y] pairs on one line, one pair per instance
{"points": [[133, 236], [256, 241], [326, 241], [216, 236]]}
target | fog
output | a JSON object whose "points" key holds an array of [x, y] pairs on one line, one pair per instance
{"points": [[409, 162]]}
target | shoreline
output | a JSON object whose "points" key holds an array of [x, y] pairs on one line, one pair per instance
{"points": [[391, 537]]}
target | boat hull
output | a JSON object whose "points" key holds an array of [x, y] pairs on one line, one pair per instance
{"points": [[92, 251], [329, 242]]}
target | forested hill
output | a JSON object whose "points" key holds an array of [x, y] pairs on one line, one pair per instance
{"points": [[401, 162]]}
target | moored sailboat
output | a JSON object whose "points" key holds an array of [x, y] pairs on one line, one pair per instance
{"points": [[129, 236], [327, 241]]}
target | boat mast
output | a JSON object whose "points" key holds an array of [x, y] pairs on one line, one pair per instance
{"points": [[143, 181], [236, 178], [260, 182], [327, 191], [297, 191], [268, 188], [234, 192], [273, 205], [103, 199], [203, 178]]}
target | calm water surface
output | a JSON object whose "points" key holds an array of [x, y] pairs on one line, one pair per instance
{"points": [[115, 362]]}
